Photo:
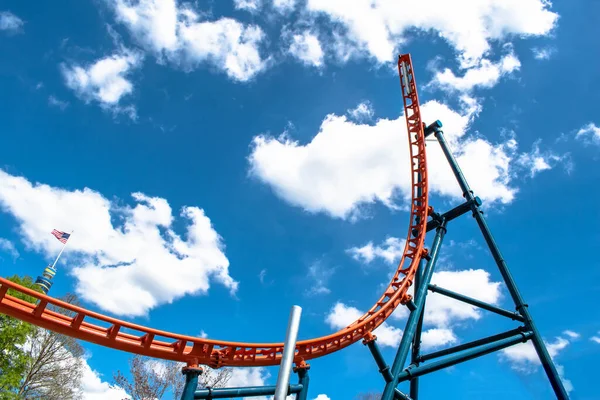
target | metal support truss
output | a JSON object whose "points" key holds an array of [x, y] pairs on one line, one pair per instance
{"points": [[424, 364]]}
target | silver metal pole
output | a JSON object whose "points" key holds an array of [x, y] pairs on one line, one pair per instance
{"points": [[289, 349]]}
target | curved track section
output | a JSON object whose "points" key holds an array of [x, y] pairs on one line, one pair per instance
{"points": [[83, 324]]}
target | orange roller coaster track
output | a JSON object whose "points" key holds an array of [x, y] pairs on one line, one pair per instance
{"points": [[84, 324]]}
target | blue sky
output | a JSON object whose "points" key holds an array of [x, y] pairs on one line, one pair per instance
{"points": [[222, 161]]}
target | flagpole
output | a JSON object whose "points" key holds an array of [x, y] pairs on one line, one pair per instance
{"points": [[61, 250]]}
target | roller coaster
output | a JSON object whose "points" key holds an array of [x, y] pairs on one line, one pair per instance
{"points": [[416, 266]]}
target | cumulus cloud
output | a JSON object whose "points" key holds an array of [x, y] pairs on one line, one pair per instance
{"points": [[284, 6], [55, 102], [322, 397], [524, 359], [126, 259], [571, 334], [364, 111], [305, 46], [484, 75], [589, 134], [596, 339], [94, 388], [347, 165], [105, 81], [8, 247], [318, 275], [181, 35], [443, 311], [10, 23], [543, 53], [378, 27], [437, 337], [390, 251], [248, 5]]}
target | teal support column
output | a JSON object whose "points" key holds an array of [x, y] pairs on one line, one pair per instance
{"points": [[511, 285], [191, 382], [416, 346], [303, 381], [413, 319]]}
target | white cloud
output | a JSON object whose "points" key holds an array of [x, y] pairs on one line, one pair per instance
{"points": [[284, 6], [248, 5], [180, 35], [94, 388], [543, 53], [53, 101], [364, 111], [118, 252], [524, 359], [322, 397], [10, 22], [378, 27], [443, 311], [485, 75], [571, 334], [306, 47], [390, 251], [537, 162], [105, 80], [437, 337], [318, 276], [596, 339], [347, 165], [8, 247], [589, 133], [341, 315]]}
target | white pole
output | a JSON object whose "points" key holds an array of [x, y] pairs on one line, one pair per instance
{"points": [[61, 250], [289, 349]]}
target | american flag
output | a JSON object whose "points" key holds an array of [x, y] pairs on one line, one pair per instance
{"points": [[62, 236]]}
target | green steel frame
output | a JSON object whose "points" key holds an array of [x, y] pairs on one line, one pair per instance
{"points": [[422, 364]]}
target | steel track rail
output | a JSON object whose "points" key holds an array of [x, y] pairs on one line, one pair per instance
{"points": [[110, 332]]}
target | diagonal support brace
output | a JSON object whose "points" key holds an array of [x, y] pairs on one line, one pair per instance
{"points": [[474, 302]]}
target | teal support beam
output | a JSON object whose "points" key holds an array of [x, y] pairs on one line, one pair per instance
{"points": [[470, 345], [252, 391], [303, 381], [474, 302], [413, 319], [521, 306], [416, 346], [427, 368], [191, 382], [384, 369]]}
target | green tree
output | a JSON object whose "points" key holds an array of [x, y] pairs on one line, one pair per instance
{"points": [[13, 336], [38, 363]]}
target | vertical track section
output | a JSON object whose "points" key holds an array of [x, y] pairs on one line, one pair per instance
{"points": [[111, 332]]}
